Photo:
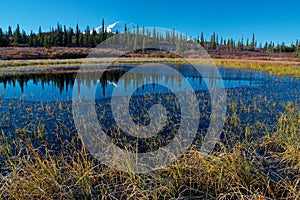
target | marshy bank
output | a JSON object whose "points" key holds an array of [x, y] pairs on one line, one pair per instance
{"points": [[262, 165], [257, 156], [282, 68]]}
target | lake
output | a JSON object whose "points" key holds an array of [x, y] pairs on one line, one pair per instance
{"points": [[43, 101]]}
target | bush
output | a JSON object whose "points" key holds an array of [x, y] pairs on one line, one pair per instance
{"points": [[297, 53]]}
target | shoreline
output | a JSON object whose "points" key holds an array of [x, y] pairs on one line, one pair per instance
{"points": [[284, 68]]}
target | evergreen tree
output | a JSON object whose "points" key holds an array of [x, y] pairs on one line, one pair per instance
{"points": [[297, 51], [81, 40], [136, 38], [202, 39], [271, 48], [253, 43], [46, 42], [213, 43], [59, 36], [87, 37], [266, 46], [144, 44], [70, 37], [2, 43], [77, 36], [154, 36], [52, 38], [143, 31], [247, 44], [34, 40], [17, 36], [283, 47], [173, 36], [179, 50], [125, 28], [24, 37], [232, 44], [240, 44], [198, 40], [40, 37], [9, 35], [167, 36], [30, 39], [103, 31], [1, 38], [229, 44], [94, 38], [65, 36]]}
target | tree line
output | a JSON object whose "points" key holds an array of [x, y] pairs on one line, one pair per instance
{"points": [[69, 37], [59, 36], [247, 45]]}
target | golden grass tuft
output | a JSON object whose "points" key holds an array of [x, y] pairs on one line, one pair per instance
{"points": [[265, 168]]}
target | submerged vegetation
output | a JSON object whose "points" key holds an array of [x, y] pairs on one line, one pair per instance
{"points": [[257, 157], [264, 166]]}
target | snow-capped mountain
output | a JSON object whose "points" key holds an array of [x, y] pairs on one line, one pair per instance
{"points": [[116, 26], [111, 26]]}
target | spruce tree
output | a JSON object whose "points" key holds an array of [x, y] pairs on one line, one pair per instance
{"points": [[297, 52], [65, 36], [103, 31], [80, 40], [40, 37], [24, 37], [173, 36], [253, 43], [17, 36], [202, 39], [30, 39], [271, 48], [144, 43], [9, 35], [87, 37], [240, 44], [213, 43], [1, 38], [125, 28], [46, 41], [247, 44], [154, 36], [70, 37], [77, 36], [59, 36]]}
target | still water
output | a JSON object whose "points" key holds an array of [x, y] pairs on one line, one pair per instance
{"points": [[31, 100], [45, 87]]}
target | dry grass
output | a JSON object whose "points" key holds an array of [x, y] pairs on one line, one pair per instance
{"points": [[282, 68], [273, 67], [265, 168]]}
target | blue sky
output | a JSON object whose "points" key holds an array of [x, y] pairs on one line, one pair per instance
{"points": [[269, 20]]}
